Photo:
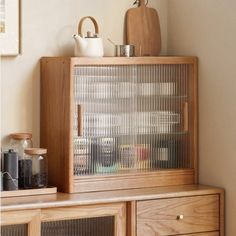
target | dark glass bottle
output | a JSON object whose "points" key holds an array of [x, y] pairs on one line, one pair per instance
{"points": [[105, 153], [166, 154]]}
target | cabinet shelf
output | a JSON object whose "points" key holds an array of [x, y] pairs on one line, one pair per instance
{"points": [[91, 99], [138, 136]]}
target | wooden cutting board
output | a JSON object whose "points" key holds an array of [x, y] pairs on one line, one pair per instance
{"points": [[143, 30]]}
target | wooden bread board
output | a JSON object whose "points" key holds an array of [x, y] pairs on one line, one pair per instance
{"points": [[143, 30]]}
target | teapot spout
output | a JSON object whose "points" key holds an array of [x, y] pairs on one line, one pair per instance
{"points": [[80, 44]]}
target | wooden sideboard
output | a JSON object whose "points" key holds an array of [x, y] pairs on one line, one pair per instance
{"points": [[194, 210]]}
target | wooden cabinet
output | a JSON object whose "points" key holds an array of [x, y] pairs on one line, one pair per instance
{"points": [[119, 123], [93, 220], [188, 210], [103, 219], [20, 223], [177, 216]]}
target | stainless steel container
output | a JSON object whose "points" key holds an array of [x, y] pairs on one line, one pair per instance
{"points": [[124, 50]]}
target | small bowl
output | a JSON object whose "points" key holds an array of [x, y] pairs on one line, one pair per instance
{"points": [[124, 50]]}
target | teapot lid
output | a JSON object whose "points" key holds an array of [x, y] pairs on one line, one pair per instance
{"points": [[91, 35]]}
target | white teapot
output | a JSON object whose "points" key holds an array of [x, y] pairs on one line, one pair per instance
{"points": [[90, 45]]}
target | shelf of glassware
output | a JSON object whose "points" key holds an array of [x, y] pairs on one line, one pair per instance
{"points": [[130, 138]]}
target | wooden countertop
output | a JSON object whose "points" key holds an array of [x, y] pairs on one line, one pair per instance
{"points": [[64, 199]]}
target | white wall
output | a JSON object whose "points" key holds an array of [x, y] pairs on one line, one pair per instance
{"points": [[207, 28], [47, 29]]}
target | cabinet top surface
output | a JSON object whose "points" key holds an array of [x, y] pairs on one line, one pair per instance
{"points": [[123, 60], [65, 200]]}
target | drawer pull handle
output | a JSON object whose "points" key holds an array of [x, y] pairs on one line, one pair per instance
{"points": [[180, 217]]}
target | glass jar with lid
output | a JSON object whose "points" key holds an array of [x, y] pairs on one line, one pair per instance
{"points": [[35, 168], [19, 142]]}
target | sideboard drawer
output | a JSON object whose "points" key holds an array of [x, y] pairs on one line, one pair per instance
{"points": [[178, 215]]}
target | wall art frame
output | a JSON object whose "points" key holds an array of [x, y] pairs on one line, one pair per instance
{"points": [[10, 27]]}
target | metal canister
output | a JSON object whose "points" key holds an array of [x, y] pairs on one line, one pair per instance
{"points": [[124, 50], [10, 171], [105, 154]]}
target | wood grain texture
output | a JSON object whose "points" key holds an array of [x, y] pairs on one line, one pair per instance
{"points": [[160, 217], [162, 60], [80, 120], [118, 210], [143, 30], [80, 212], [57, 109], [30, 217], [121, 220], [203, 234], [222, 213], [135, 180], [131, 229], [186, 117], [34, 227], [154, 209], [133, 60], [193, 116], [124, 60], [18, 217], [64, 199], [56, 121], [29, 192]]}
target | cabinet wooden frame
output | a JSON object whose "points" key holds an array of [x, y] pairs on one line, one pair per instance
{"points": [[56, 127], [33, 218], [29, 217], [131, 219], [201, 206], [117, 210], [222, 212]]}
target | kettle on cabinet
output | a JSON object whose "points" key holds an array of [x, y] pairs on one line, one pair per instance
{"points": [[90, 45]]}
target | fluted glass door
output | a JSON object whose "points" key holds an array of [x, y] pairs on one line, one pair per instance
{"points": [[131, 118]]}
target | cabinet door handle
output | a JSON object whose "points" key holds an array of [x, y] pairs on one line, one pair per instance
{"points": [[186, 123], [180, 217], [80, 120]]}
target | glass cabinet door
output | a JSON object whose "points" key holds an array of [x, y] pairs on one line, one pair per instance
{"points": [[20, 223], [102, 220], [131, 118], [102, 226], [14, 230], [92, 220]]}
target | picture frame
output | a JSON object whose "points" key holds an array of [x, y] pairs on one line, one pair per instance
{"points": [[10, 29]]}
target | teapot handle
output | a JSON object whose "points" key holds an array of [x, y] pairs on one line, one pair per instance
{"points": [[94, 23]]}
